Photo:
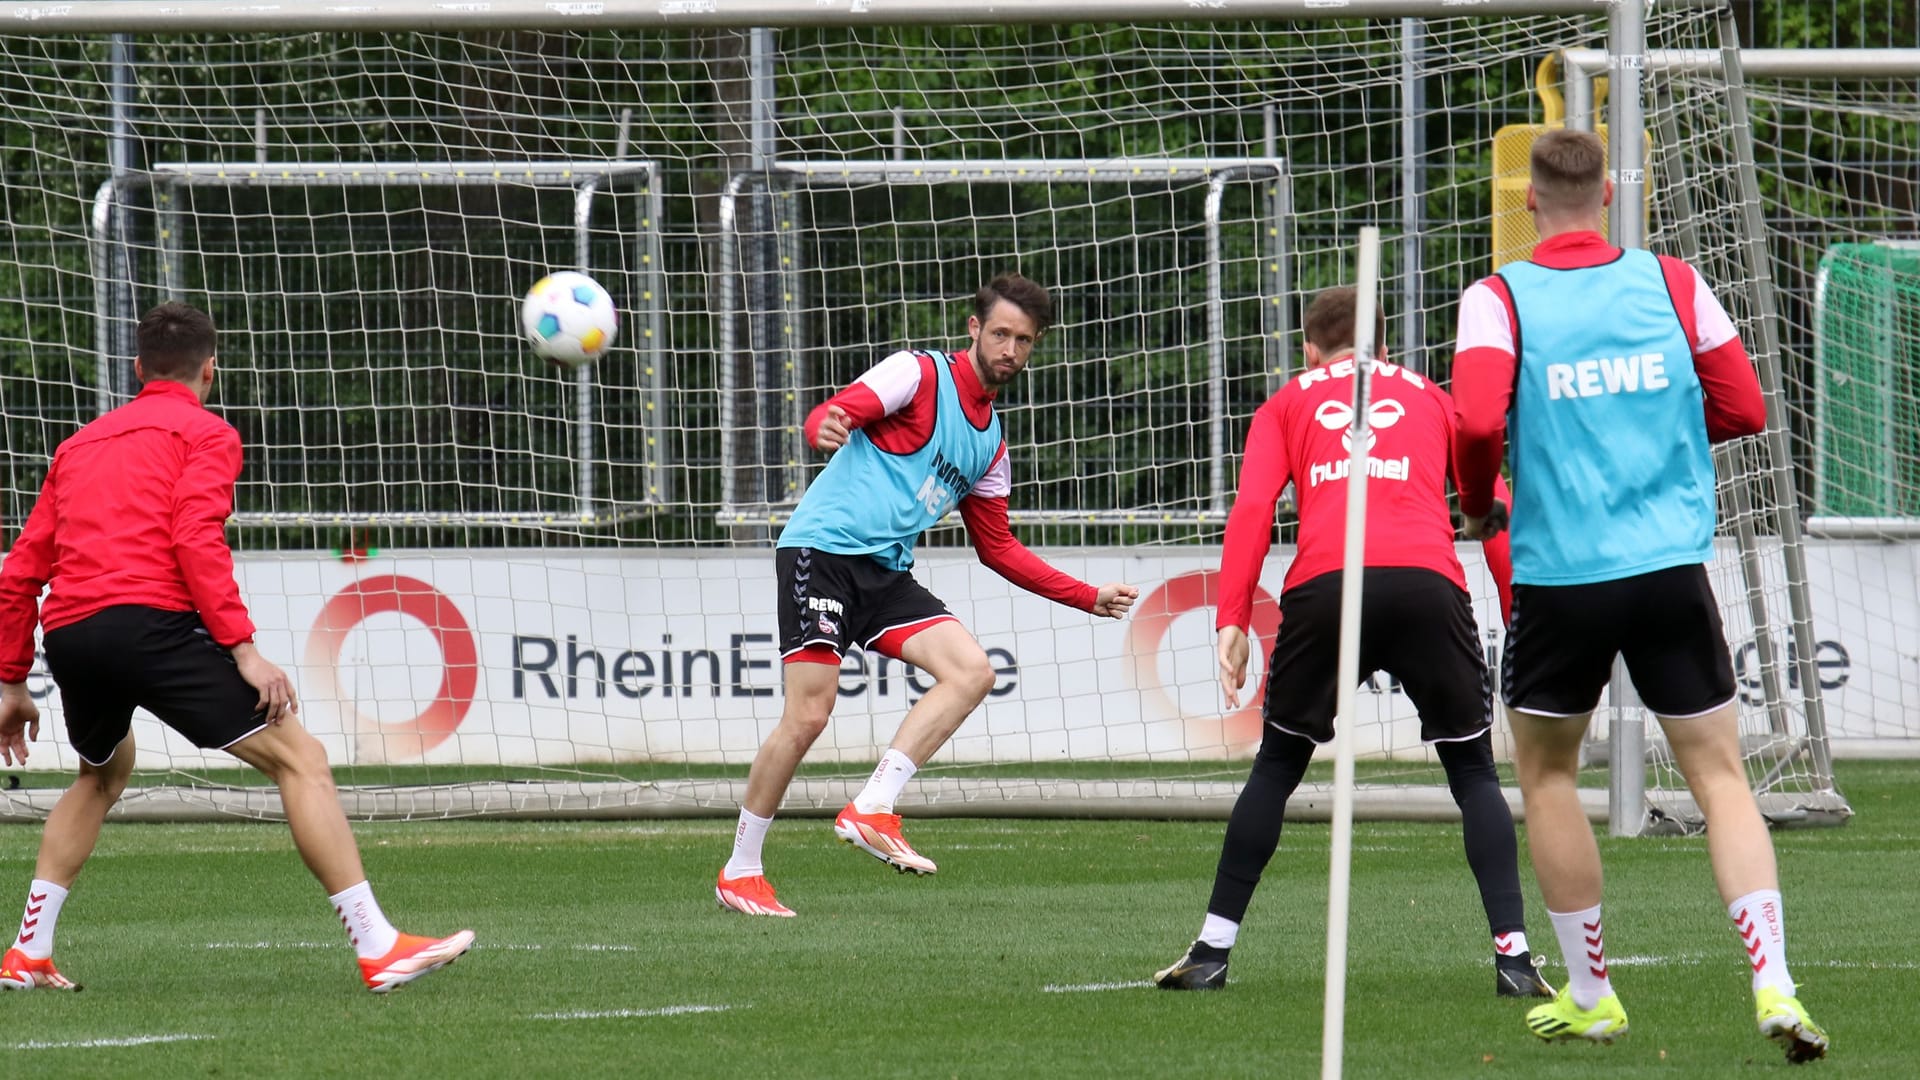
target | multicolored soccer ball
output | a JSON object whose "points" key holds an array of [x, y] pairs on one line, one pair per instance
{"points": [[569, 318]]}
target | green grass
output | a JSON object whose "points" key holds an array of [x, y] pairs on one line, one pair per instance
{"points": [[889, 976]]}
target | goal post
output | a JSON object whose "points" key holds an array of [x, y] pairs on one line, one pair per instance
{"points": [[505, 590]]}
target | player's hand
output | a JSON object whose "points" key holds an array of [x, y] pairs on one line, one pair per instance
{"points": [[1114, 599], [19, 722], [833, 431], [276, 690], [1488, 527], [1232, 650]]}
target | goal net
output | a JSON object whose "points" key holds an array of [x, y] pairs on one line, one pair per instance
{"points": [[504, 588]]}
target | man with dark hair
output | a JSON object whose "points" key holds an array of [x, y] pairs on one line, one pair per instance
{"points": [[1614, 370], [129, 531], [912, 438], [1416, 623]]}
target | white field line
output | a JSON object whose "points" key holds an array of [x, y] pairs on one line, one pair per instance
{"points": [[1651, 960], [627, 1014], [1731, 959], [1083, 988], [88, 1044]]}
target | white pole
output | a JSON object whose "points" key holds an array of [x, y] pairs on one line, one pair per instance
{"points": [[1348, 674]]}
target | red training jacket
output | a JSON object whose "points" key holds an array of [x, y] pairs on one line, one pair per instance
{"points": [[133, 511]]}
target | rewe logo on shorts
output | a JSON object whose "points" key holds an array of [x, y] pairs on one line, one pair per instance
{"points": [[1338, 416]]}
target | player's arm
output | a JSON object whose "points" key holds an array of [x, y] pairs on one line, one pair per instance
{"points": [[1731, 389], [1498, 550], [202, 500], [985, 512], [1484, 364], [881, 391], [26, 571], [1263, 476]]}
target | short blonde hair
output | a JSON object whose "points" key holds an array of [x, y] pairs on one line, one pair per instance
{"points": [[1569, 170]]}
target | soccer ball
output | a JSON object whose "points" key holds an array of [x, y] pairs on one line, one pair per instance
{"points": [[569, 318]]}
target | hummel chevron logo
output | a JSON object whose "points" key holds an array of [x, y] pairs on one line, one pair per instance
{"points": [[34, 909], [29, 924], [32, 899], [1503, 944], [24, 938]]}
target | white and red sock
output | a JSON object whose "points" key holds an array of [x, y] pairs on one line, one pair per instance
{"points": [[44, 900], [1512, 943], [1762, 927], [884, 786], [368, 930], [747, 840], [1582, 944]]}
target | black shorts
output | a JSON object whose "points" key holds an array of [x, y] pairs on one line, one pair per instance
{"points": [[844, 601], [1415, 624], [1562, 639], [162, 661]]}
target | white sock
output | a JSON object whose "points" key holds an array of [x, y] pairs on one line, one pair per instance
{"points": [[368, 930], [1583, 946], [1762, 927], [1218, 932], [1511, 944], [747, 839], [36, 924], [884, 786]]}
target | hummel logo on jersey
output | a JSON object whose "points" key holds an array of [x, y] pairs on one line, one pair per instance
{"points": [[1338, 416], [1608, 375]]}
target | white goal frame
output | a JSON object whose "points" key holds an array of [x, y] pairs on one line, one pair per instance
{"points": [[1218, 173], [584, 178]]}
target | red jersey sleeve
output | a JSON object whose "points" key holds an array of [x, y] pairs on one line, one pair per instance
{"points": [[1499, 554], [1263, 476], [858, 401], [1485, 362], [1734, 404], [1000, 552], [28, 568], [202, 501]]}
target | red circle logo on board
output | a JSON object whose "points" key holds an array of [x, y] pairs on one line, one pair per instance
{"points": [[1147, 632], [407, 739]]}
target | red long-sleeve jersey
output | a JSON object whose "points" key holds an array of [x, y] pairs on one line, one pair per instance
{"points": [[1300, 436], [894, 403], [133, 511]]}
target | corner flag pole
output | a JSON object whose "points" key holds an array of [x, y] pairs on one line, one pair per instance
{"points": [[1352, 571]]}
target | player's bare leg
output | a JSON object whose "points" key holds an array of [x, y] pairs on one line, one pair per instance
{"points": [[297, 764], [1566, 860], [810, 689], [1707, 750], [73, 826], [963, 676], [71, 832]]}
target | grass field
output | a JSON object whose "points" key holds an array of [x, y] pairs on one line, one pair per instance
{"points": [[207, 951]]}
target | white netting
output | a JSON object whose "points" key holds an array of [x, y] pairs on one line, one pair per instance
{"points": [[566, 581]]}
